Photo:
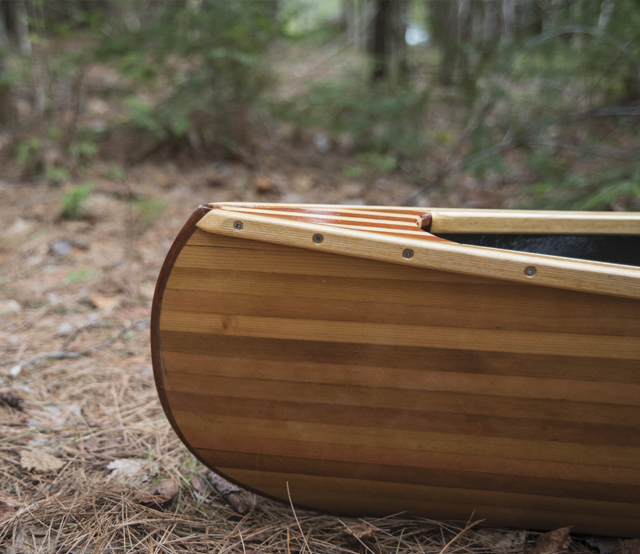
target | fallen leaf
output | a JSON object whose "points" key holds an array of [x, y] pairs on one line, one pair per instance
{"points": [[7, 510], [12, 401], [501, 541], [360, 531], [199, 485], [262, 184], [553, 541], [631, 546], [159, 493], [39, 460], [130, 470], [106, 303]]}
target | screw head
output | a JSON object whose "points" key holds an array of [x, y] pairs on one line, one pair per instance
{"points": [[238, 225], [408, 253], [530, 271], [318, 238]]}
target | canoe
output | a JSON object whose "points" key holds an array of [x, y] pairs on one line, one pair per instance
{"points": [[434, 362]]}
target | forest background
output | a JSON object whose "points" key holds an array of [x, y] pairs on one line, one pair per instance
{"points": [[118, 118]]}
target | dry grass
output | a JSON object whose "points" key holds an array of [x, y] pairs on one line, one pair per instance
{"points": [[75, 350]]}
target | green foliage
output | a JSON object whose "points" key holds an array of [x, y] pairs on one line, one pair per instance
{"points": [[73, 201], [57, 175], [28, 154], [79, 275], [377, 119], [202, 67], [601, 190]]}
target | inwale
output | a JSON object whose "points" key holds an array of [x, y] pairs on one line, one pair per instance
{"points": [[373, 367]]}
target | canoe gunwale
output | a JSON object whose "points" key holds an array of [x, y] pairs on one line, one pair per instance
{"points": [[535, 269]]}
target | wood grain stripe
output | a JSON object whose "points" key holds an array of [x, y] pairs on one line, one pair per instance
{"points": [[444, 494], [424, 420], [403, 335], [472, 312], [313, 355], [197, 427], [371, 500], [239, 453]]}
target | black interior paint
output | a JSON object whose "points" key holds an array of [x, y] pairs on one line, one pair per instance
{"points": [[615, 249]]}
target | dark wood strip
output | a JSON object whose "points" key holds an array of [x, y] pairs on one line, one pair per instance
{"points": [[307, 411], [442, 494], [509, 468], [241, 454], [200, 428], [402, 357], [374, 504]]}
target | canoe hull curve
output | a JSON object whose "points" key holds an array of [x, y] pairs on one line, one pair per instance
{"points": [[372, 388]]}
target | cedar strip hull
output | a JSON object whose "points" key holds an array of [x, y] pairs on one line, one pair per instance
{"points": [[373, 388]]}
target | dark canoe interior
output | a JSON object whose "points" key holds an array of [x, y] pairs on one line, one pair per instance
{"points": [[614, 249]]}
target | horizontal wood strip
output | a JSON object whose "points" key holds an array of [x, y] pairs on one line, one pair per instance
{"points": [[552, 271], [356, 386], [578, 477], [403, 335], [608, 456], [240, 454], [304, 410], [374, 503], [370, 212], [441, 494], [549, 316], [532, 222], [344, 265], [182, 345], [441, 402]]}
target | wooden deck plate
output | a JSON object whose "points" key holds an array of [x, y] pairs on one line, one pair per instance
{"points": [[372, 388]]}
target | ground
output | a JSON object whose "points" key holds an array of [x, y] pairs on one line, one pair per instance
{"points": [[89, 461]]}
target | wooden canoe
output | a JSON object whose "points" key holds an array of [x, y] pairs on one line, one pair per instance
{"points": [[435, 362]]}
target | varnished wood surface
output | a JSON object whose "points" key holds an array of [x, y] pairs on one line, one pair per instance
{"points": [[456, 220], [375, 388], [550, 271]]}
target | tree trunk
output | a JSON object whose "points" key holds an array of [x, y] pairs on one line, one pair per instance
{"points": [[6, 112], [388, 46]]}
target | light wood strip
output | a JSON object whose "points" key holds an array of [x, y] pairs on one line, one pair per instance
{"points": [[496, 309], [265, 480], [403, 335], [261, 351], [422, 419], [452, 220], [615, 280], [197, 429], [556, 479], [527, 222], [239, 454], [360, 267]]}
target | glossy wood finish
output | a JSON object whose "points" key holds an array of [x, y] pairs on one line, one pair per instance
{"points": [[373, 388], [431, 253]]}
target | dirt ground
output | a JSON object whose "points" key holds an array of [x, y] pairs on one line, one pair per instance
{"points": [[88, 461]]}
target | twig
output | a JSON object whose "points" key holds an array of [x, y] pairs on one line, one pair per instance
{"points": [[304, 538], [66, 355]]}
